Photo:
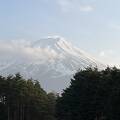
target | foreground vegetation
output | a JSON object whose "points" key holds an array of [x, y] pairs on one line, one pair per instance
{"points": [[92, 95], [22, 99]]}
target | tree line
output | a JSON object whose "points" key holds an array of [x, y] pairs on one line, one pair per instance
{"points": [[22, 99], [92, 95]]}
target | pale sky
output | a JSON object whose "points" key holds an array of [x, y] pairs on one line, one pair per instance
{"points": [[92, 25]]}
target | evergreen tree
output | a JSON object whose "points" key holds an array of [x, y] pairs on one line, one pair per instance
{"points": [[92, 95], [22, 99]]}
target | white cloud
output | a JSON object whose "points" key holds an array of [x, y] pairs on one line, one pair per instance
{"points": [[87, 8], [109, 57], [114, 26], [20, 50], [74, 5], [106, 53]]}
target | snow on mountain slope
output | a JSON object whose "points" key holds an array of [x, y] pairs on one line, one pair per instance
{"points": [[50, 60]]}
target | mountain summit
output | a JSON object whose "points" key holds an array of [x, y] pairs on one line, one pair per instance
{"points": [[50, 60]]}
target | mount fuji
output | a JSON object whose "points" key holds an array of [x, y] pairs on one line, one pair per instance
{"points": [[51, 60]]}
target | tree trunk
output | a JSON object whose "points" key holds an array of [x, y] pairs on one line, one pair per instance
{"points": [[8, 112]]}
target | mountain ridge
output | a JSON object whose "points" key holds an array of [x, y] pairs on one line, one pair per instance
{"points": [[50, 60]]}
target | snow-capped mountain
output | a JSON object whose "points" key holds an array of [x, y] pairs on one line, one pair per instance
{"points": [[50, 60]]}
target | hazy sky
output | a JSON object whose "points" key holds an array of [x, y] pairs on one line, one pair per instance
{"points": [[93, 25]]}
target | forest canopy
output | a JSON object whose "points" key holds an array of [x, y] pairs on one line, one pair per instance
{"points": [[22, 99], [92, 95]]}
